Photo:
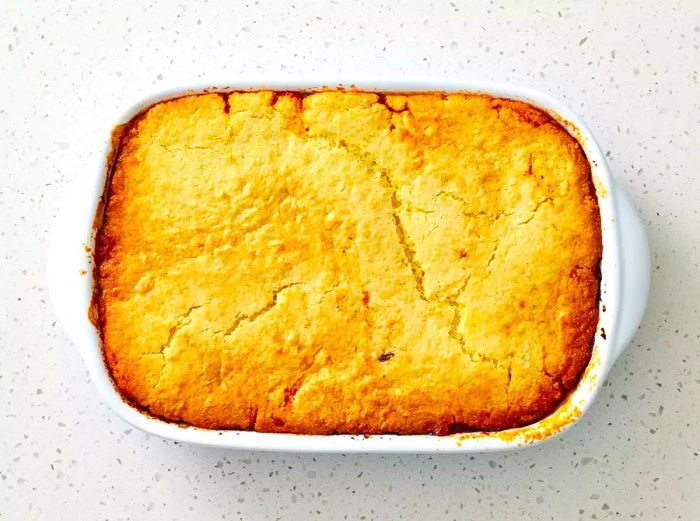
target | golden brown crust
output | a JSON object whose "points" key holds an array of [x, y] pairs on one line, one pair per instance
{"points": [[348, 262]]}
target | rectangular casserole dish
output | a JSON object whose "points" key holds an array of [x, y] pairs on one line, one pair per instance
{"points": [[624, 288]]}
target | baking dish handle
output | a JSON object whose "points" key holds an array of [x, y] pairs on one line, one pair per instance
{"points": [[635, 269]]}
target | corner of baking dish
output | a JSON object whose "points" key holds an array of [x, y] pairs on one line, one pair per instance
{"points": [[70, 272]]}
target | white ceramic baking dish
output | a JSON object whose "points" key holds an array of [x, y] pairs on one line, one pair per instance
{"points": [[624, 285]]}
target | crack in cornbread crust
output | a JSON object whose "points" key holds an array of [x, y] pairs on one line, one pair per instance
{"points": [[348, 262]]}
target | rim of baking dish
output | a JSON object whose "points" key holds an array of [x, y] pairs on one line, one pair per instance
{"points": [[71, 283]]}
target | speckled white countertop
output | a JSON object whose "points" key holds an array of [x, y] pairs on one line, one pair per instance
{"points": [[630, 70]]}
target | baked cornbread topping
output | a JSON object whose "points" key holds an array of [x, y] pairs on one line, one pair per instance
{"points": [[347, 262]]}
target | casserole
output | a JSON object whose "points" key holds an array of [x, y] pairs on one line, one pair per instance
{"points": [[624, 287]]}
